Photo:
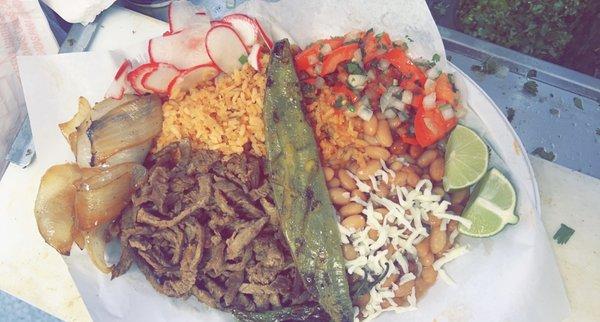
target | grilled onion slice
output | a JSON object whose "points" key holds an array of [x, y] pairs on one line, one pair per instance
{"points": [[54, 206]]}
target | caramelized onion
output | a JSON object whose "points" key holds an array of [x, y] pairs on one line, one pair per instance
{"points": [[135, 154], [83, 148], [107, 105], [125, 126], [103, 194], [54, 211], [95, 245], [69, 128], [113, 131]]}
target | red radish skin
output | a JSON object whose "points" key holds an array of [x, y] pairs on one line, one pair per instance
{"points": [[119, 84], [191, 78], [159, 78], [225, 47], [184, 49], [263, 34], [135, 77], [216, 23], [246, 27], [124, 65]]}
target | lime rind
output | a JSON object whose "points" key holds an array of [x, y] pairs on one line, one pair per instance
{"points": [[467, 159], [491, 207]]}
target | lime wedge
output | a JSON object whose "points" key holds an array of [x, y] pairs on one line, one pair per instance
{"points": [[466, 159], [491, 207]]}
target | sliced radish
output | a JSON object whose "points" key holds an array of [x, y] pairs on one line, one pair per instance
{"points": [[215, 23], [183, 14], [263, 34], [184, 49], [135, 77], [225, 48], [119, 84], [160, 77], [253, 57], [245, 26], [191, 78]]}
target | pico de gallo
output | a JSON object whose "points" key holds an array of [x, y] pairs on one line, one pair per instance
{"points": [[370, 73]]}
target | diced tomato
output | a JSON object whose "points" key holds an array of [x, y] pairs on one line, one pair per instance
{"points": [[373, 91], [311, 80], [376, 47], [443, 89], [385, 40], [369, 42], [410, 71], [303, 59], [430, 126], [409, 139], [340, 89], [417, 101], [337, 56]]}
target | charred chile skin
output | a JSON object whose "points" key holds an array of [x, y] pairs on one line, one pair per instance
{"points": [[308, 217]]}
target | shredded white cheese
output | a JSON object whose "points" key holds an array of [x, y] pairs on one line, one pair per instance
{"points": [[400, 229]]}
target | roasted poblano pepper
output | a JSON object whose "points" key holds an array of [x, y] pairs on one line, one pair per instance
{"points": [[307, 216], [307, 312]]}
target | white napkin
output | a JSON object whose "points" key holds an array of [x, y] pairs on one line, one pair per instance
{"points": [[24, 30]]}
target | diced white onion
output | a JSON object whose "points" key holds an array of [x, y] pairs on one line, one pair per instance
{"points": [[384, 64], [397, 104], [448, 113], [313, 59], [318, 68], [407, 97], [363, 108], [357, 81], [319, 82], [389, 113], [429, 85], [357, 57], [371, 75], [433, 73], [429, 101], [325, 49]]}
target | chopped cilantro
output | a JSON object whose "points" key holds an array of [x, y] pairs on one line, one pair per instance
{"points": [[435, 58], [379, 35], [489, 66], [351, 108], [452, 82], [354, 68], [339, 102], [243, 59], [531, 87], [510, 114], [408, 38], [563, 234], [427, 64], [531, 73], [578, 103], [542, 153]]}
